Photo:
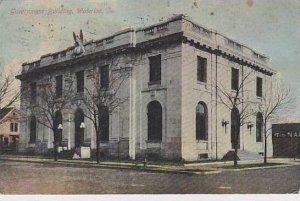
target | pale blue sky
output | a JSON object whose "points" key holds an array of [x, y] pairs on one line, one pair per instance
{"points": [[271, 27]]}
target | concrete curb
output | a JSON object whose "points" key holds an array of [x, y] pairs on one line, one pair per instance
{"points": [[139, 167], [90, 165], [258, 168]]}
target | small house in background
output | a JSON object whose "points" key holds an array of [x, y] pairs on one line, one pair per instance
{"points": [[9, 128], [286, 140]]}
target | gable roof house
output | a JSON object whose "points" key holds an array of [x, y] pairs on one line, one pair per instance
{"points": [[9, 127]]}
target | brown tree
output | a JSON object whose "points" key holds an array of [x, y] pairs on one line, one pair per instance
{"points": [[275, 101], [9, 94], [240, 107], [102, 97], [46, 103]]}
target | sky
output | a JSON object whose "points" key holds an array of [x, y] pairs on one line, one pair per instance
{"points": [[31, 28]]}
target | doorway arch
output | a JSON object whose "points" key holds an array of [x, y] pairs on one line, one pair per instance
{"points": [[201, 121], [235, 128], [57, 121], [154, 121], [79, 132]]}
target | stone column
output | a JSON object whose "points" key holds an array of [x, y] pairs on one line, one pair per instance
{"points": [[49, 138], [93, 144], [132, 125]]}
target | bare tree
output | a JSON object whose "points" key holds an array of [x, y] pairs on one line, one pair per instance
{"points": [[240, 107], [46, 102], [8, 93], [274, 102], [102, 97]]}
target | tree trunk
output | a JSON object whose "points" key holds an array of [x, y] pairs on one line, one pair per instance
{"points": [[235, 163], [235, 157], [265, 142], [97, 146], [55, 152]]}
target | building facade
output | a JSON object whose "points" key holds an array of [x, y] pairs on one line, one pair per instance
{"points": [[173, 109], [9, 128]]}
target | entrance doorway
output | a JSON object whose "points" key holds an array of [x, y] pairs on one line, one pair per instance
{"points": [[235, 128], [57, 132], [79, 132]]}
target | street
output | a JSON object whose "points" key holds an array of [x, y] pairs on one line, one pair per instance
{"points": [[36, 178]]}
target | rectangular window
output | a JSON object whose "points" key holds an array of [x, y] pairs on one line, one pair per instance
{"points": [[104, 77], [16, 127], [201, 69], [234, 79], [155, 68], [259, 87], [58, 85], [33, 92], [13, 127], [80, 81]]}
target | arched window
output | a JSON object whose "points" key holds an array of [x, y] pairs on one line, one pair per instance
{"points": [[154, 121], [57, 121], [201, 122], [79, 131], [32, 136], [259, 127], [104, 124], [235, 128]]}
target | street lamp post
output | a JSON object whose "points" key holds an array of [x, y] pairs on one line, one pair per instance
{"points": [[295, 148], [82, 127], [118, 148], [56, 141], [60, 128]]}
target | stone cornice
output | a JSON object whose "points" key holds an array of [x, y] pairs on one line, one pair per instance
{"points": [[230, 55], [177, 29]]}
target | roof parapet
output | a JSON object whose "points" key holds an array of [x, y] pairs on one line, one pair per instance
{"points": [[130, 37]]}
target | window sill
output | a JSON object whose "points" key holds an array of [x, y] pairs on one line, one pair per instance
{"points": [[201, 141], [202, 83], [154, 82], [153, 141], [79, 95]]}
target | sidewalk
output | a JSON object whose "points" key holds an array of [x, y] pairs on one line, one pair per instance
{"points": [[201, 168]]}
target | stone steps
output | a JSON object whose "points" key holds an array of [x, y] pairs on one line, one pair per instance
{"points": [[242, 155]]}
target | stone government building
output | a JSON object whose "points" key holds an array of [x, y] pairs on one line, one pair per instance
{"points": [[172, 109]]}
